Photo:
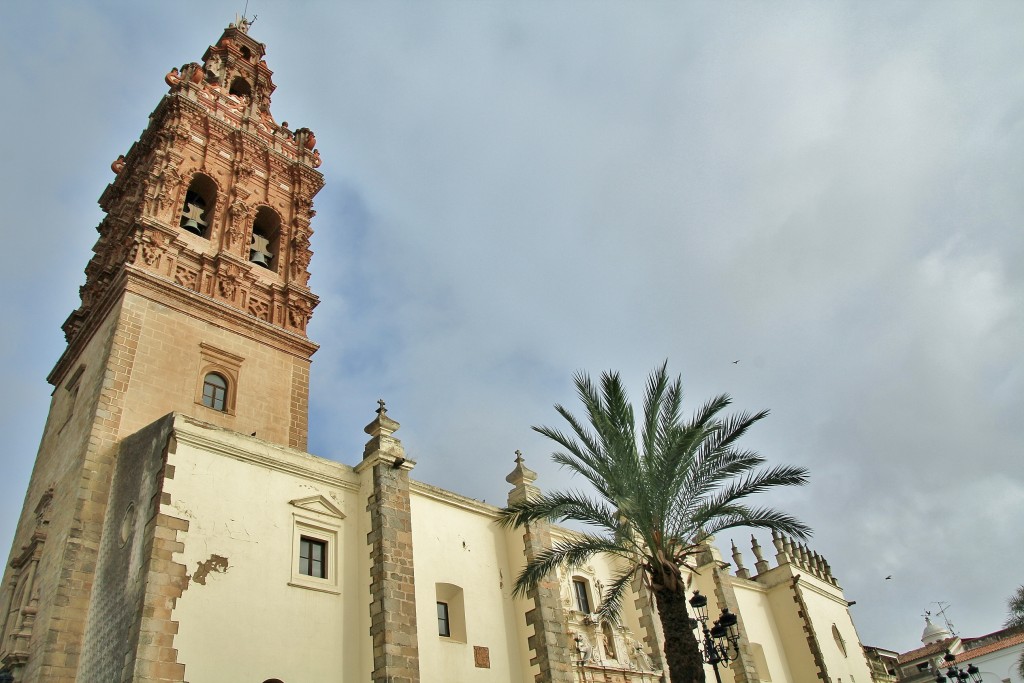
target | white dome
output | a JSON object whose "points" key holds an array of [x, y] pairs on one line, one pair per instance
{"points": [[933, 633]]}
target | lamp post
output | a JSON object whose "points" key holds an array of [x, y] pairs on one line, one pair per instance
{"points": [[955, 674], [721, 641]]}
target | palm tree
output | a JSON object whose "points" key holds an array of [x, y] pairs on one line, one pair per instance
{"points": [[1015, 619], [659, 496]]}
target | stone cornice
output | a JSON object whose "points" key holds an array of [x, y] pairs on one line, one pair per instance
{"points": [[453, 499], [165, 291], [208, 437]]}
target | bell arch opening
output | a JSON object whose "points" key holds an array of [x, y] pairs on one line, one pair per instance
{"points": [[240, 87], [264, 247], [197, 209]]}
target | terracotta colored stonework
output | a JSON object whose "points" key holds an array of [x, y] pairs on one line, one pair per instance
{"points": [[162, 307]]}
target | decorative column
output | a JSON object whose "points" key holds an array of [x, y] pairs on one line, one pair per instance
{"points": [[392, 580], [550, 639]]}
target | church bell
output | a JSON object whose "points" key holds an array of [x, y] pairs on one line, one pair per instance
{"points": [[192, 214]]}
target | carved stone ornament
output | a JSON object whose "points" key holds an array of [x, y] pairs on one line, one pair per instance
{"points": [[228, 279], [301, 256], [259, 308], [153, 247], [173, 78], [298, 314], [185, 277]]}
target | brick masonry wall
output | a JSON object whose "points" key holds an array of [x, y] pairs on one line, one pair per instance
{"points": [[71, 461], [121, 579], [392, 580], [650, 621], [550, 640], [271, 395]]}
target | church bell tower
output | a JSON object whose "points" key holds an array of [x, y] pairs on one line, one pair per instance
{"points": [[196, 301]]}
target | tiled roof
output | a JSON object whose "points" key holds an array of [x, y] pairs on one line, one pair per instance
{"points": [[927, 650], [991, 647]]}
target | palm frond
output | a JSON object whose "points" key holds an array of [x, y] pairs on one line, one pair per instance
{"points": [[654, 410], [557, 507], [569, 554], [734, 516], [611, 600], [757, 482]]}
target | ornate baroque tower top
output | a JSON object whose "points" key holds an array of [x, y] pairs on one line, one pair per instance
{"points": [[213, 203]]}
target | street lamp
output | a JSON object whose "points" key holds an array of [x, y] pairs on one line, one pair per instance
{"points": [[721, 641], [955, 674]]}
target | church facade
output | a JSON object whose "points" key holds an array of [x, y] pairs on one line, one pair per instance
{"points": [[175, 529]]}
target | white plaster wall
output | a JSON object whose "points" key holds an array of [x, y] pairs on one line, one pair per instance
{"points": [[455, 541], [827, 606], [999, 666], [759, 624], [520, 606], [248, 623], [791, 630]]}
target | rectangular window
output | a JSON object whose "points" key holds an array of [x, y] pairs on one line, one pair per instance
{"points": [[313, 557], [443, 626], [582, 601]]}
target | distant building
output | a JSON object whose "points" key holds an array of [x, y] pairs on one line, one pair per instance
{"points": [[884, 664], [175, 529], [996, 655]]}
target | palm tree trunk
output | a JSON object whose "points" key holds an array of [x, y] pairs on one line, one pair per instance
{"points": [[682, 656]]}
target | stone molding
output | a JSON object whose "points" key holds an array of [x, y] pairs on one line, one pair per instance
{"points": [[203, 436], [158, 289]]}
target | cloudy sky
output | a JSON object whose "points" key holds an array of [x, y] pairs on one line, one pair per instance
{"points": [[830, 193]]}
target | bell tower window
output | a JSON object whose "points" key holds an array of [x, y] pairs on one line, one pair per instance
{"points": [[266, 231], [215, 392], [240, 87], [197, 210]]}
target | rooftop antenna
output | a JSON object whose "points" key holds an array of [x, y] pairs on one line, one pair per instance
{"points": [[943, 606]]}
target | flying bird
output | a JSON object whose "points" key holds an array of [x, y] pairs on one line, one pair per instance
{"points": [[735, 362], [888, 577]]}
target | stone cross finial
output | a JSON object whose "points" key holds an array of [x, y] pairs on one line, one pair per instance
{"points": [[380, 431]]}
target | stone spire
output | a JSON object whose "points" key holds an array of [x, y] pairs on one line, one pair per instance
{"points": [[737, 559], [761, 565]]}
